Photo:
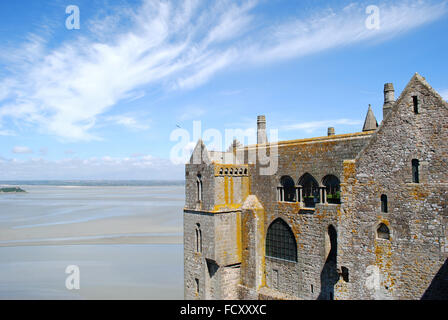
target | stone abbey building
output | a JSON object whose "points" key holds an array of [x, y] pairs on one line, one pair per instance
{"points": [[349, 216]]}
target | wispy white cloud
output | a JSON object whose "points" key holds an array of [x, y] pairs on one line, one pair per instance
{"points": [[139, 167], [21, 150], [127, 121], [64, 90], [332, 29], [311, 126], [7, 132]]}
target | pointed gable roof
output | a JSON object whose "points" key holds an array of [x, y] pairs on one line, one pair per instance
{"points": [[416, 79], [370, 123], [422, 80], [200, 154]]}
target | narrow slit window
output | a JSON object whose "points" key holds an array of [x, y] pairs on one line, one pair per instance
{"points": [[415, 171], [415, 100], [384, 203], [196, 280], [199, 187], [198, 239]]}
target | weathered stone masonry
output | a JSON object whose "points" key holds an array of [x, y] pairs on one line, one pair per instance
{"points": [[353, 216]]}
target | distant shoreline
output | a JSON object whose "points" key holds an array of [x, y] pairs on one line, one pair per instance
{"points": [[93, 183], [12, 190]]}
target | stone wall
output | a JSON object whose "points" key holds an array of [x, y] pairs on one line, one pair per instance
{"points": [[195, 266], [318, 157], [283, 276], [207, 174], [217, 265], [340, 254], [405, 266]]}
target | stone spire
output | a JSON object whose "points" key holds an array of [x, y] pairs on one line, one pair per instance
{"points": [[200, 154], [370, 123]]}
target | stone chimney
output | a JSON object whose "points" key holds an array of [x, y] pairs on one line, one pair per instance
{"points": [[261, 130], [389, 98], [330, 131]]}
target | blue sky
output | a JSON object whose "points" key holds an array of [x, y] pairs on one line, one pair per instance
{"points": [[101, 102]]}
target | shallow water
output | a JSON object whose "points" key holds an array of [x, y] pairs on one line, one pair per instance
{"points": [[106, 272], [127, 242]]}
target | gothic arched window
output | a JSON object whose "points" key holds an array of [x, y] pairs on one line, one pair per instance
{"points": [[333, 188], [288, 189], [310, 190], [199, 187], [280, 241]]}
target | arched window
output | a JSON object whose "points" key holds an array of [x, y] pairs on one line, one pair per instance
{"points": [[198, 238], [288, 189], [333, 188], [384, 203], [310, 190], [280, 241], [199, 187], [382, 232], [415, 173]]}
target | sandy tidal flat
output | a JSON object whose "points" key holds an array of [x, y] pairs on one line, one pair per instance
{"points": [[127, 242]]}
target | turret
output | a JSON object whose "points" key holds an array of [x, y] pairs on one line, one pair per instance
{"points": [[370, 123], [389, 98], [261, 130]]}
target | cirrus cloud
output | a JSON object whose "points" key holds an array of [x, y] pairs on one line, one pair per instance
{"points": [[66, 90]]}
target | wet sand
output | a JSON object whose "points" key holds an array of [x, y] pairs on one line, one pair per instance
{"points": [[91, 215], [133, 233]]}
